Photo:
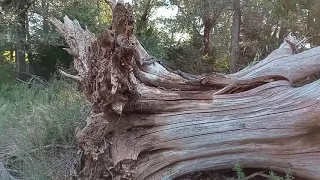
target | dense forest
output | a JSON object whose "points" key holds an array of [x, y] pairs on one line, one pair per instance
{"points": [[41, 111], [198, 37]]}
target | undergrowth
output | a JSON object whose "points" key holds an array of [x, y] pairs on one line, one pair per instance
{"points": [[6, 74], [37, 126]]}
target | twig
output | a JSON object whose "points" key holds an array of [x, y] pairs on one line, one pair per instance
{"points": [[22, 81], [25, 82], [52, 146], [30, 80], [301, 41], [260, 173], [35, 76], [76, 78], [110, 172]]}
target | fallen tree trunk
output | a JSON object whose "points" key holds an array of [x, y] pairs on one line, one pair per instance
{"points": [[149, 122]]}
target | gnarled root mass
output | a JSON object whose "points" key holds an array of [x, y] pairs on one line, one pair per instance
{"points": [[149, 122]]}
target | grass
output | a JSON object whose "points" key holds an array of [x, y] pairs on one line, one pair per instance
{"points": [[37, 127]]}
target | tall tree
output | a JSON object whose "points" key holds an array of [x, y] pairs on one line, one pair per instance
{"points": [[21, 41], [202, 15], [235, 36], [142, 12]]}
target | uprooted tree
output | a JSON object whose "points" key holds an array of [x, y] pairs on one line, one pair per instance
{"points": [[149, 122]]}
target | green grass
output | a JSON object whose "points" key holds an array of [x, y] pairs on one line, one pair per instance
{"points": [[34, 124]]}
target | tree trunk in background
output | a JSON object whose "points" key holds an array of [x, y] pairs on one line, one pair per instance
{"points": [[235, 36], [209, 20], [32, 65], [197, 38], [151, 123], [275, 31], [21, 43], [143, 20], [45, 22], [283, 31], [16, 54], [12, 53], [207, 36]]}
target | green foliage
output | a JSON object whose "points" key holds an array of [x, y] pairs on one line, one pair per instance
{"points": [[47, 46], [289, 175], [240, 174], [264, 23], [34, 123], [155, 42], [272, 176], [49, 57], [95, 15], [44, 43], [6, 74]]}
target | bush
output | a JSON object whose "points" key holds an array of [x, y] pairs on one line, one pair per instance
{"points": [[37, 127]]}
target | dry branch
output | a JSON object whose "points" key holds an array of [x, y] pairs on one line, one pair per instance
{"points": [[79, 41], [76, 78], [149, 122]]}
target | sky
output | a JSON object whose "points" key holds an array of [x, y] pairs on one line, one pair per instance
{"points": [[160, 12], [165, 12]]}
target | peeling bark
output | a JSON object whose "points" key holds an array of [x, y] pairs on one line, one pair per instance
{"points": [[149, 122]]}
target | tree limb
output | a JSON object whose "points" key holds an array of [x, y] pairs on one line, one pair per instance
{"points": [[76, 78]]}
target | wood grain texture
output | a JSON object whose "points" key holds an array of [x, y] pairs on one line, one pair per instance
{"points": [[259, 128]]}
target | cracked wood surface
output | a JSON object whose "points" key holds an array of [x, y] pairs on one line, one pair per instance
{"points": [[260, 128]]}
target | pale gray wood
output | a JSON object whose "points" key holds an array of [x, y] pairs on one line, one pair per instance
{"points": [[261, 128]]}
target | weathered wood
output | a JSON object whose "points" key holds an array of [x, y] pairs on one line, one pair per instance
{"points": [[149, 122], [261, 128], [78, 40]]}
